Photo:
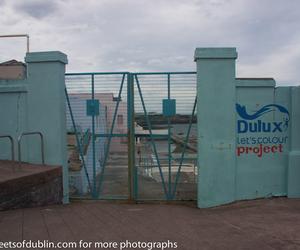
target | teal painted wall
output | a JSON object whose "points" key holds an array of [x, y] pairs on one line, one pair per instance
{"points": [[261, 175], [293, 185], [37, 103], [230, 164], [13, 113], [216, 125]]}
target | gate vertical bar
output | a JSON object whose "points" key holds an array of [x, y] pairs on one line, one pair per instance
{"points": [[184, 149], [93, 141], [132, 179], [169, 142], [151, 136]]}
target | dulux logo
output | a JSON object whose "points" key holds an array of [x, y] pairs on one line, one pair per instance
{"points": [[251, 124]]}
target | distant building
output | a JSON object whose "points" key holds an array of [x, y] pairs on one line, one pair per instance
{"points": [[12, 70], [103, 123], [78, 179], [109, 102]]}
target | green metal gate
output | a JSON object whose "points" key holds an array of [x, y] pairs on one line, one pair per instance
{"points": [[132, 135]]}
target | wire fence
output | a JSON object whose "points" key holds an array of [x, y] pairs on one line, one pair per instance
{"points": [[164, 147]]}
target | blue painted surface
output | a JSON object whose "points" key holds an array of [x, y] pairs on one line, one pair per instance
{"points": [[264, 159], [92, 107], [46, 56], [293, 185], [262, 173], [216, 125], [248, 130], [37, 103], [169, 107]]}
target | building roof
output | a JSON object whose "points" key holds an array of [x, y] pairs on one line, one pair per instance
{"points": [[12, 62]]}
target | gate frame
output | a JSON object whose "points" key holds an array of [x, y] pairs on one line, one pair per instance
{"points": [[132, 78]]}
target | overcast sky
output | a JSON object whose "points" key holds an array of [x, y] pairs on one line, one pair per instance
{"points": [[158, 35]]}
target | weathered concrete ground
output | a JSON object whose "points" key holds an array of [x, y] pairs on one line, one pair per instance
{"points": [[261, 224]]}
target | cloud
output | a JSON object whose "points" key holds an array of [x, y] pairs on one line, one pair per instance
{"points": [[36, 8], [160, 35]]}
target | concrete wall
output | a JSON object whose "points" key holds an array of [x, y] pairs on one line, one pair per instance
{"points": [[12, 72], [13, 113], [262, 157], [37, 103], [248, 143], [216, 143], [293, 173]]}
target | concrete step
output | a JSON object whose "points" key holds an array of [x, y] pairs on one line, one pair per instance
{"points": [[29, 185]]}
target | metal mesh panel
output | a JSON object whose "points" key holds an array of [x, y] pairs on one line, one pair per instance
{"points": [[165, 146], [103, 164], [165, 135]]}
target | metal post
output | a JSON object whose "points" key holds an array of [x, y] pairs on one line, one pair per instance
{"points": [[19, 35], [94, 194], [12, 145], [27, 43], [169, 143], [132, 173], [42, 145]]}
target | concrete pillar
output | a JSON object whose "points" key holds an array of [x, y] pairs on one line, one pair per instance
{"points": [[293, 189], [216, 93], [46, 109]]}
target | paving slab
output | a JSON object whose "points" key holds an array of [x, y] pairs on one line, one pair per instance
{"points": [[259, 224]]}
